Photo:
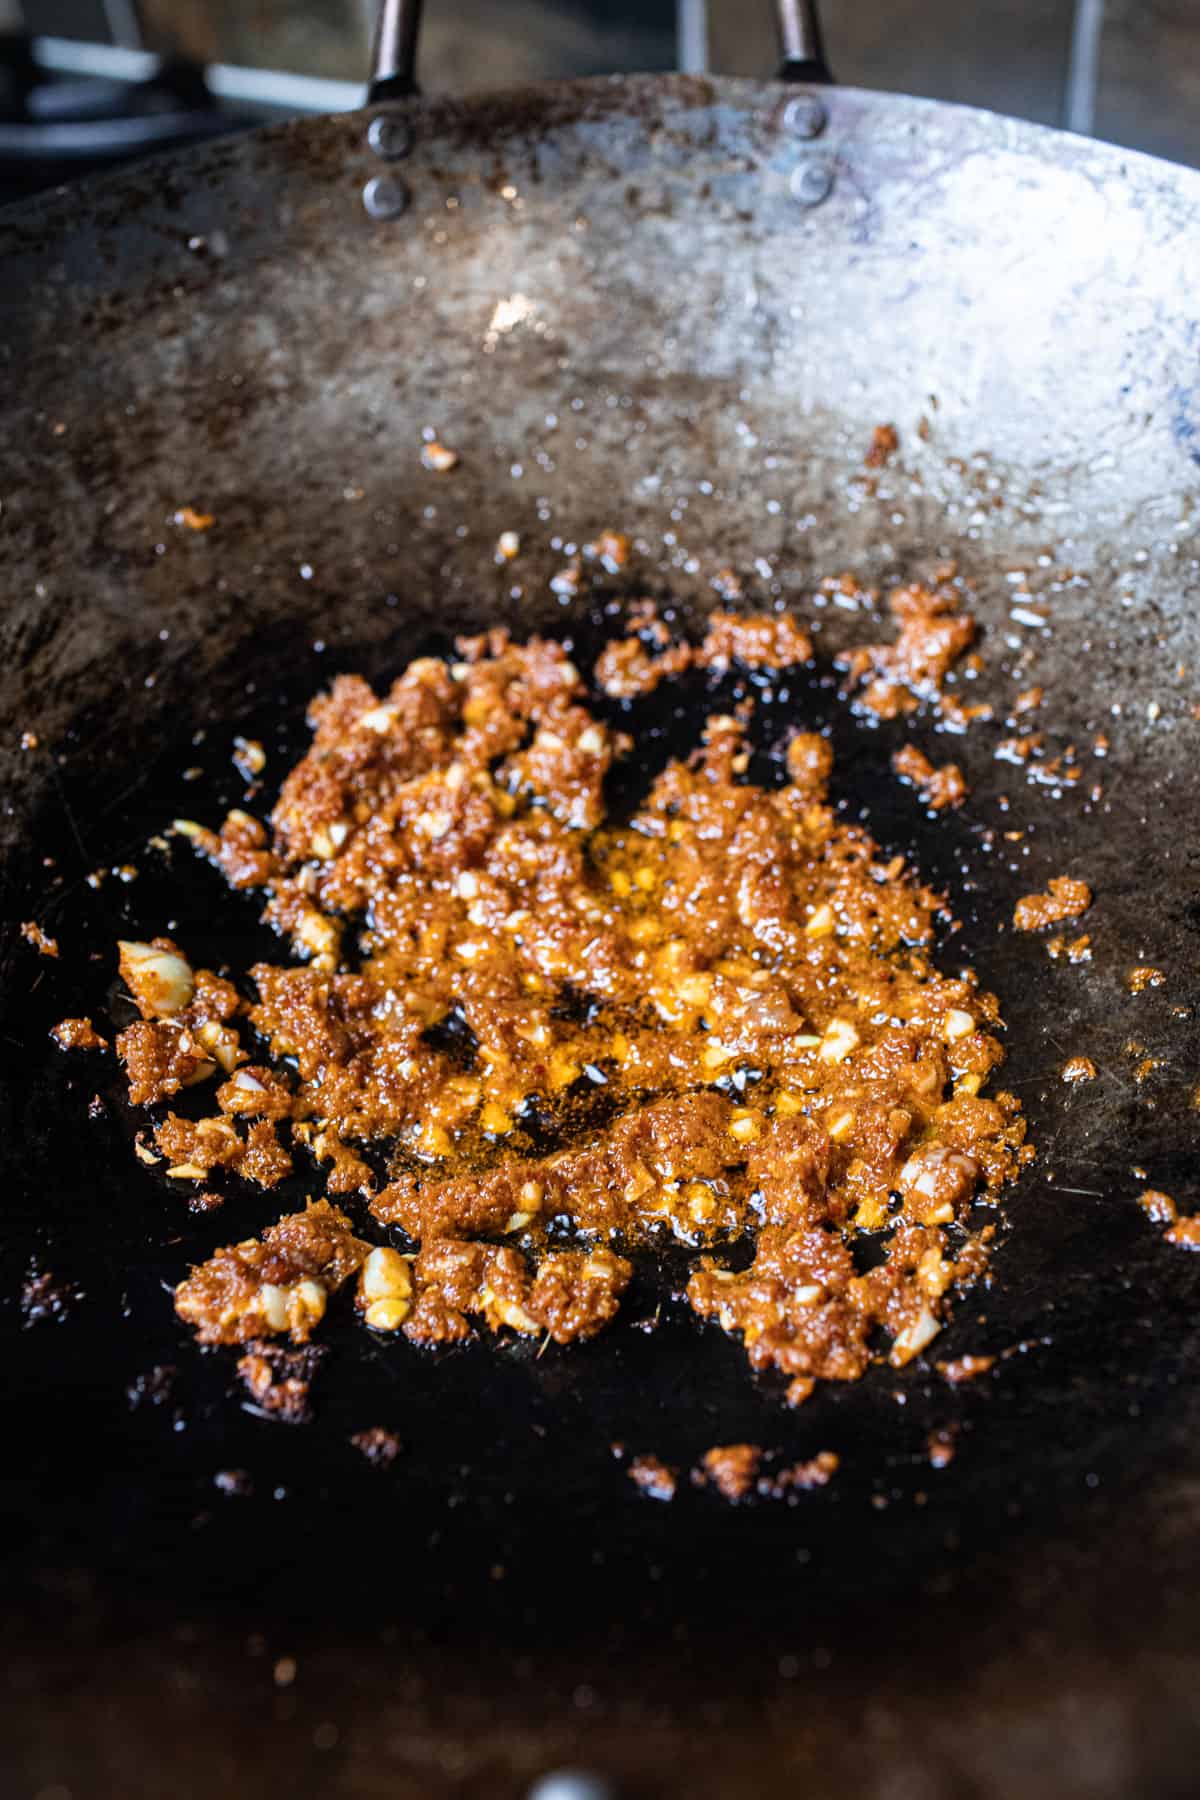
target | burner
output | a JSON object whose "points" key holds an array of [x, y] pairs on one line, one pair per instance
{"points": [[69, 109], [54, 128]]}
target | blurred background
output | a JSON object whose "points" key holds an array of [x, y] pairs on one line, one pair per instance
{"points": [[1124, 70]]}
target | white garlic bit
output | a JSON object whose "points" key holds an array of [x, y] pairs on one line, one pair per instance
{"points": [[161, 981], [914, 1338], [839, 1040]]}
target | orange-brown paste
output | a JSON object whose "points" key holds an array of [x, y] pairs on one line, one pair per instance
{"points": [[570, 1038]]}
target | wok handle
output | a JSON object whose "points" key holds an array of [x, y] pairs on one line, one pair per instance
{"points": [[802, 44], [394, 52]]}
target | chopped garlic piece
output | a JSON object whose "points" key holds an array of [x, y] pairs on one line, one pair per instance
{"points": [[161, 981], [839, 1040], [914, 1338]]}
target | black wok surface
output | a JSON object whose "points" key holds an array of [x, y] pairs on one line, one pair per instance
{"points": [[609, 299]]}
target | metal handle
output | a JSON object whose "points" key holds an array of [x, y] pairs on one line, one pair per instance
{"points": [[801, 42], [394, 54]]}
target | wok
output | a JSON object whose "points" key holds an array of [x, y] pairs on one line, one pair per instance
{"points": [[678, 306]]}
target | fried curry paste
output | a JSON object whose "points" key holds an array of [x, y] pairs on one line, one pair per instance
{"points": [[535, 1041]]}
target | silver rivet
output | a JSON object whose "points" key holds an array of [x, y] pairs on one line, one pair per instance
{"points": [[389, 137], [805, 116], [812, 180], [385, 197]]}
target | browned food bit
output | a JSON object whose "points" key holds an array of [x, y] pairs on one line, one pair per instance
{"points": [[278, 1284], [46, 1299], [194, 1148], [158, 1061], [1066, 898], [249, 757], [570, 1294], [730, 1468], [1077, 950], [380, 1446], [1185, 1233], [942, 1445], [38, 940], [238, 849], [800, 1307], [939, 787], [885, 441], [636, 664], [1143, 977], [1158, 1206], [809, 764], [773, 641], [611, 548], [800, 1477], [439, 457], [278, 1380], [77, 1034], [1079, 1068], [893, 679], [964, 1368], [627, 667], [238, 1484], [656, 1479], [659, 1165], [186, 1032], [192, 520], [1020, 750]]}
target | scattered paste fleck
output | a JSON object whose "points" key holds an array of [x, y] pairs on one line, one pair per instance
{"points": [[1077, 950], [1158, 1206], [636, 664], [885, 441], [800, 1477], [939, 788], [38, 940], [730, 1468], [1066, 898], [892, 680], [655, 1479], [380, 1446], [964, 1368], [278, 1380], [941, 1447], [77, 1034]]}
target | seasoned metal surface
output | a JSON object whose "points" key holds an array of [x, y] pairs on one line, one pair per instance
{"points": [[655, 304]]}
